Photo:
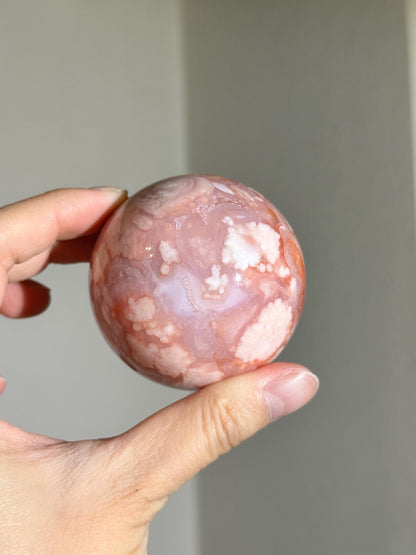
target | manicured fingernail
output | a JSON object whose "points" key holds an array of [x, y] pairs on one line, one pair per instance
{"points": [[290, 391]]}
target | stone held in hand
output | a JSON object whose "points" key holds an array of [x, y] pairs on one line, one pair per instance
{"points": [[197, 278]]}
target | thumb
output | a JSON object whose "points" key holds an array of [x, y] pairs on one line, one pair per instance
{"points": [[178, 441]]}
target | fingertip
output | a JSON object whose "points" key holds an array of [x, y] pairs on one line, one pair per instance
{"points": [[56, 215], [113, 195], [196, 430], [104, 201], [25, 299], [110, 190], [289, 390]]}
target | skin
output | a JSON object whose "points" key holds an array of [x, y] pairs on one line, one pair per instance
{"points": [[99, 496]]}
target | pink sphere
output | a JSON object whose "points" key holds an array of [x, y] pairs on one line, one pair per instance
{"points": [[197, 278]]}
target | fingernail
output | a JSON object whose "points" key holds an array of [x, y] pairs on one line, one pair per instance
{"points": [[112, 190], [290, 391]]}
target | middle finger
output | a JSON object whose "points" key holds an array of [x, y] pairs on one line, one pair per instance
{"points": [[62, 252]]}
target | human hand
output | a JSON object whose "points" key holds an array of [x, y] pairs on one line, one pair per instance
{"points": [[99, 496]]}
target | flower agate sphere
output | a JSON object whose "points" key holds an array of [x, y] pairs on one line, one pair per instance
{"points": [[197, 278]]}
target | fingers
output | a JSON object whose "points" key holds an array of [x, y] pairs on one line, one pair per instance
{"points": [[177, 442], [31, 227], [24, 299], [55, 227], [75, 250], [62, 252]]}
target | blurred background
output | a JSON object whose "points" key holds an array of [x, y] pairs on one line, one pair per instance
{"points": [[311, 103]]}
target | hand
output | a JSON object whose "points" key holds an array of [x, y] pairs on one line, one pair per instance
{"points": [[99, 496]]}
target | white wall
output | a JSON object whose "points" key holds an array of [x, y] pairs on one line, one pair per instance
{"points": [[309, 102], [90, 94]]}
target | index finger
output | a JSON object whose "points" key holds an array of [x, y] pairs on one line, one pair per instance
{"points": [[31, 226]]}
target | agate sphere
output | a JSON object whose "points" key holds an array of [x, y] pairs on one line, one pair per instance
{"points": [[197, 278]]}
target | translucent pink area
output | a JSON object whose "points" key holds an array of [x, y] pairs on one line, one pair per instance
{"points": [[197, 278]]}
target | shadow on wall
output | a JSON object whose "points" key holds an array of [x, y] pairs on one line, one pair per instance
{"points": [[308, 102]]}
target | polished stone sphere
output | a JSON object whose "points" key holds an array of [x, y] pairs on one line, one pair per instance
{"points": [[197, 278]]}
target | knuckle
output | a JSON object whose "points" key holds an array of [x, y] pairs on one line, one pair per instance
{"points": [[221, 425]]}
